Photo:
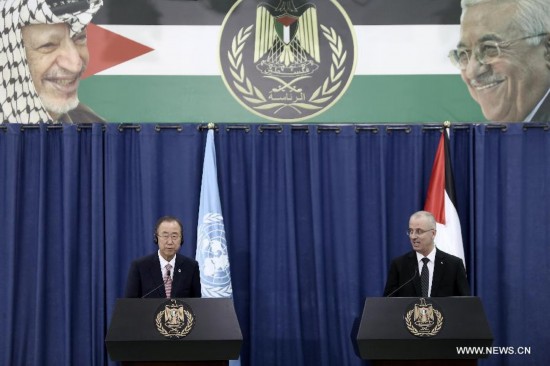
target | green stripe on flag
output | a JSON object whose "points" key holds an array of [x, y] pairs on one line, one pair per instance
{"points": [[369, 99]]}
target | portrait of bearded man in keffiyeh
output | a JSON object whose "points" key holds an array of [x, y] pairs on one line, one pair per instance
{"points": [[43, 53]]}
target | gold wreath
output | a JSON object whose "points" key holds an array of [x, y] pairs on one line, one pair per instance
{"points": [[251, 93], [331, 83], [254, 96], [184, 331], [431, 333]]}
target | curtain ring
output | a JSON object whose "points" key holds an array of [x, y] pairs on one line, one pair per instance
{"points": [[371, 129], [277, 128], [328, 129], [126, 126], [159, 128]]}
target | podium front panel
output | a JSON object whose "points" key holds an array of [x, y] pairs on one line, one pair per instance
{"points": [[134, 336], [383, 332]]}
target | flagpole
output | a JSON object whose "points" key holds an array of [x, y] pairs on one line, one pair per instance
{"points": [[212, 253]]}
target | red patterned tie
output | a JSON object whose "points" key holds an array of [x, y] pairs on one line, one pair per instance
{"points": [[168, 281]]}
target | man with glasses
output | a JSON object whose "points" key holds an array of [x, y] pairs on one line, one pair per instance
{"points": [[504, 58], [426, 271], [165, 274]]}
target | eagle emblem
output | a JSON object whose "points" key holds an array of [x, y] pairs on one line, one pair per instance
{"points": [[174, 319], [423, 319], [287, 60], [287, 39]]}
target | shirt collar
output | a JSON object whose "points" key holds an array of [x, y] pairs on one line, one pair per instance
{"points": [[430, 256], [164, 262]]}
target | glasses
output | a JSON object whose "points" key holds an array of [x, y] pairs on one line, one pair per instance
{"points": [[418, 232], [165, 236], [485, 52]]}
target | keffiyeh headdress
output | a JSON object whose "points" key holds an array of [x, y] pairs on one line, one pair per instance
{"points": [[19, 101]]}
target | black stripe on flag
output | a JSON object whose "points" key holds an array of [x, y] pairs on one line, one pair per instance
{"points": [[449, 177], [212, 12]]}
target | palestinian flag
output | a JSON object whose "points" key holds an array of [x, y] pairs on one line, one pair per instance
{"points": [[441, 202], [158, 61]]}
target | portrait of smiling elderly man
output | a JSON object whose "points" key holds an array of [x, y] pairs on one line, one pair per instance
{"points": [[504, 58], [43, 54]]}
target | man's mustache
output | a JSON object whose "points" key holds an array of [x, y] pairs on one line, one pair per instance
{"points": [[61, 73], [484, 80]]}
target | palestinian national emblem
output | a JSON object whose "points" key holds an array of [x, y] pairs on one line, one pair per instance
{"points": [[423, 319], [174, 319], [287, 60]]}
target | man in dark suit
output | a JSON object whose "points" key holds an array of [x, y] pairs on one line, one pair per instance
{"points": [[165, 273], [426, 271]]}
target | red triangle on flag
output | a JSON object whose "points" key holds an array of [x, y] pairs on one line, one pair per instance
{"points": [[108, 49], [435, 200]]}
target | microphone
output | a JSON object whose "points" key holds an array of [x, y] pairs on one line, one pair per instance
{"points": [[407, 282], [159, 286]]}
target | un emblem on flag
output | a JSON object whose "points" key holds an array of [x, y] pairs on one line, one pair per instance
{"points": [[213, 257], [287, 60]]}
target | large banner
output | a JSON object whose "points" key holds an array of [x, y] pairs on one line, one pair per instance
{"points": [[348, 61]]}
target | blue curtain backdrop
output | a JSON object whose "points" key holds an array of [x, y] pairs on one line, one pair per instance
{"points": [[313, 216], [52, 260]]}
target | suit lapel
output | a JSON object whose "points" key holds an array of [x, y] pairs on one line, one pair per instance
{"points": [[156, 275], [543, 113], [439, 268], [413, 264], [177, 277]]}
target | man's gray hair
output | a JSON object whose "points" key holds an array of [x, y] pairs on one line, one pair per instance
{"points": [[532, 16], [427, 215]]}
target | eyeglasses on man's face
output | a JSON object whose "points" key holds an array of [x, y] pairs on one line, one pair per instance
{"points": [[166, 236], [485, 52], [417, 232]]}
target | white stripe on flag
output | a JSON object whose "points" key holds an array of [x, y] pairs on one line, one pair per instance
{"points": [[449, 236], [382, 49]]}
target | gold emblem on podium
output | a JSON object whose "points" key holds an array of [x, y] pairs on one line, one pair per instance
{"points": [[423, 319], [174, 319]]}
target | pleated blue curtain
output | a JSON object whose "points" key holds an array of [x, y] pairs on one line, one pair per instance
{"points": [[52, 252], [313, 216], [149, 172], [512, 236]]}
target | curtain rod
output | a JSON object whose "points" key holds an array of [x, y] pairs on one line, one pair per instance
{"points": [[359, 128]]}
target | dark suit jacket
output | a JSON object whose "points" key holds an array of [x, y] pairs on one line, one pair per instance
{"points": [[543, 113], [449, 277], [145, 274]]}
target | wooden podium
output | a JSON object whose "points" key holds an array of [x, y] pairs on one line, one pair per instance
{"points": [[135, 333], [388, 335]]}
